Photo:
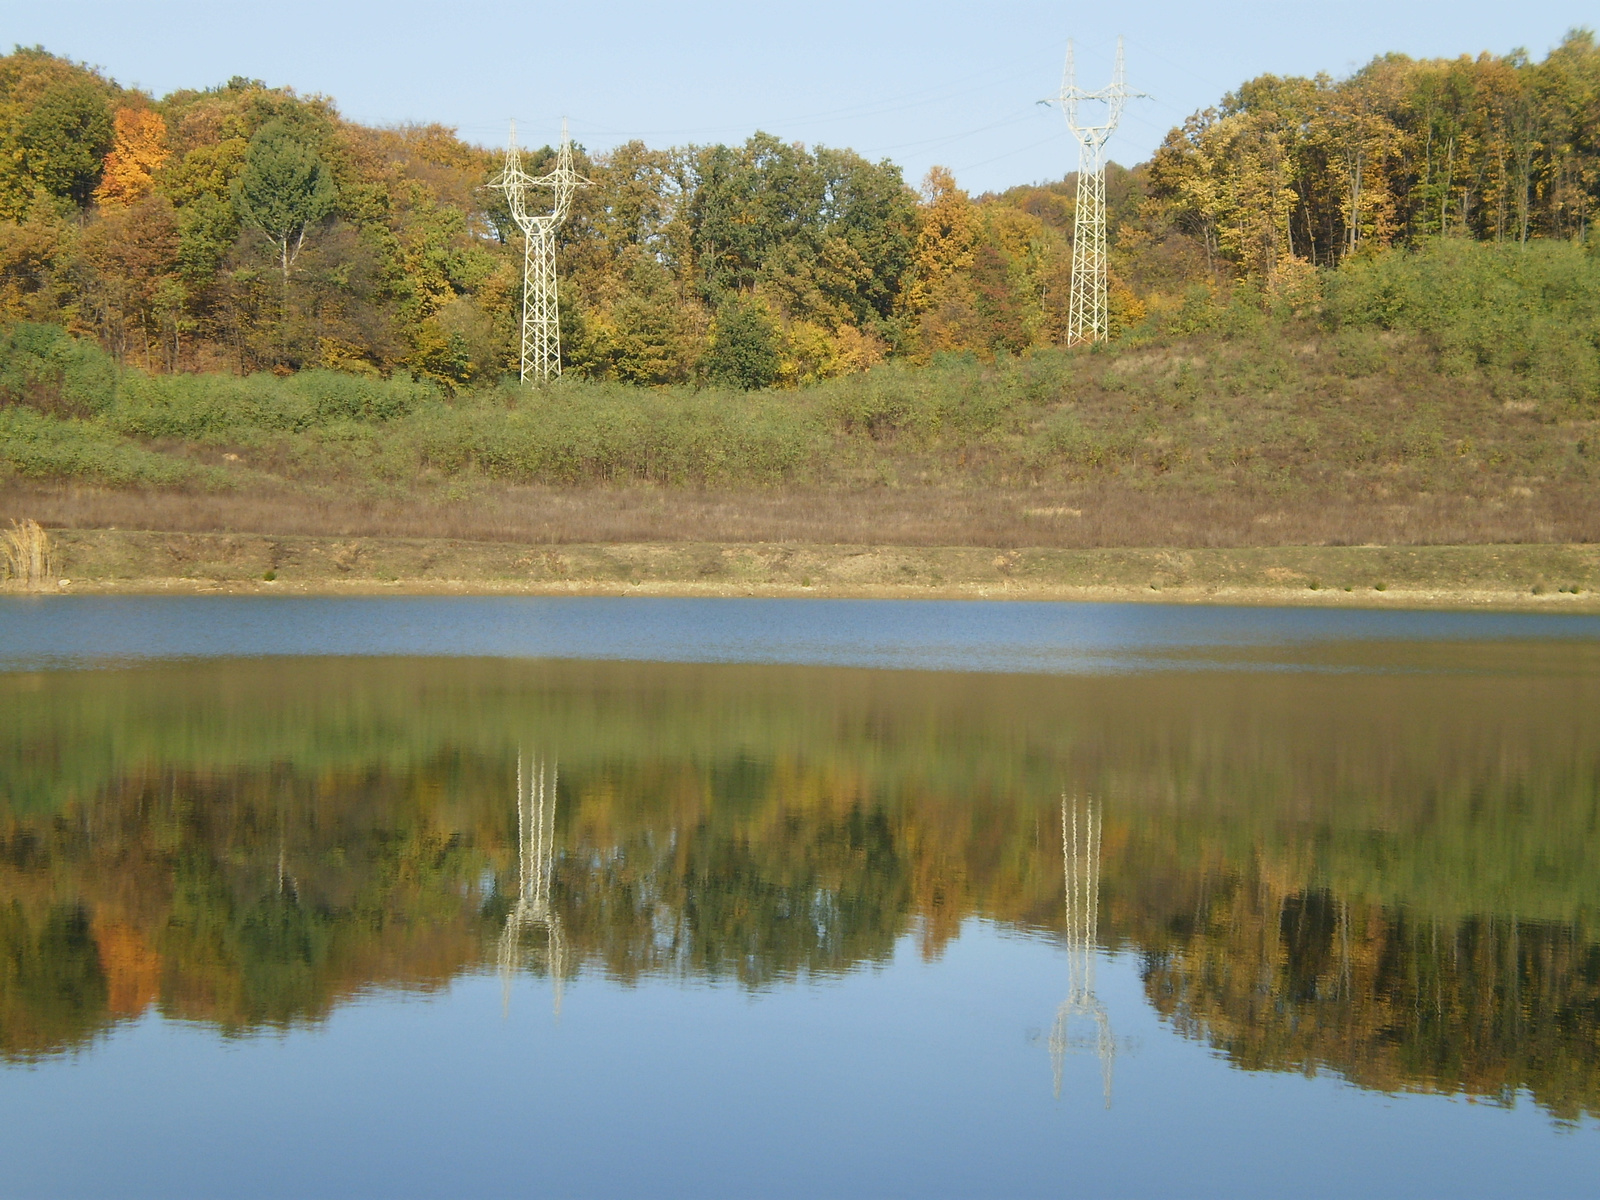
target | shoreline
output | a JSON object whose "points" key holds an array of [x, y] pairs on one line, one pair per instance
{"points": [[1510, 577]]}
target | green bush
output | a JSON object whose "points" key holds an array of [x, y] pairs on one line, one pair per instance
{"points": [[1528, 312], [45, 368], [219, 406], [955, 397], [613, 432], [40, 446]]}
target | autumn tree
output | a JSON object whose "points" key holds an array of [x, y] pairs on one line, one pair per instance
{"points": [[826, 233], [38, 256], [138, 150], [306, 239], [946, 239], [134, 294], [57, 133]]}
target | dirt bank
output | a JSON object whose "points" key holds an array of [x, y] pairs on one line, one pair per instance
{"points": [[1547, 578]]}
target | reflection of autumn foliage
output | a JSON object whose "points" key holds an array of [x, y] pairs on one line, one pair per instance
{"points": [[266, 897], [52, 991], [131, 967], [1381, 875], [1306, 981], [207, 898]]}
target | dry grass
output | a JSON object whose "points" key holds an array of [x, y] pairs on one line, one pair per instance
{"points": [[27, 554], [1280, 432], [1092, 513]]}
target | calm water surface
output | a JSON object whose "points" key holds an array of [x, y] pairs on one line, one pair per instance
{"points": [[598, 897]]}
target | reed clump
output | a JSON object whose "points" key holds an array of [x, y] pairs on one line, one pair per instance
{"points": [[28, 556]]}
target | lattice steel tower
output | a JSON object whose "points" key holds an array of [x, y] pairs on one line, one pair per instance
{"points": [[1086, 312], [541, 311]]}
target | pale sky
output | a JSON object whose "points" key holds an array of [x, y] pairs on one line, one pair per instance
{"points": [[947, 83]]}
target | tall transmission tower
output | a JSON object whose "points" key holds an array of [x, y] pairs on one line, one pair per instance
{"points": [[1086, 311], [541, 312]]}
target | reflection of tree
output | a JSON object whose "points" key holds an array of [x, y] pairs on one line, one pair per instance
{"points": [[1318, 870], [1080, 857], [752, 875], [52, 986], [536, 851], [1306, 981], [165, 890]]}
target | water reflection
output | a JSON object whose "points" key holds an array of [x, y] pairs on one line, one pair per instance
{"points": [[1080, 858], [1385, 876], [532, 913]]}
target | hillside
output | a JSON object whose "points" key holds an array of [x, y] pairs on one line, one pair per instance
{"points": [[1352, 311]]}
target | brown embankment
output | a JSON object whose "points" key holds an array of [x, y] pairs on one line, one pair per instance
{"points": [[1539, 577]]}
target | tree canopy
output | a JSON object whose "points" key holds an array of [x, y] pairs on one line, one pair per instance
{"points": [[243, 227], [282, 189]]}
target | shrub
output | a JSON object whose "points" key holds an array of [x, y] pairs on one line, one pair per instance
{"points": [[39, 446], [217, 406], [1529, 311], [45, 368], [590, 432]]}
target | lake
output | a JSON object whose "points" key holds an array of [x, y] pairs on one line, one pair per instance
{"points": [[590, 897]]}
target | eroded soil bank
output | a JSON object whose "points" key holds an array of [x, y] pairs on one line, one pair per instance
{"points": [[1557, 578]]}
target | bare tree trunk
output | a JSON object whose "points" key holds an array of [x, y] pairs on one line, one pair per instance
{"points": [[1444, 190], [283, 303], [1355, 202]]}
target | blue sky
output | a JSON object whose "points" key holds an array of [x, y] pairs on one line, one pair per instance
{"points": [[947, 83]]}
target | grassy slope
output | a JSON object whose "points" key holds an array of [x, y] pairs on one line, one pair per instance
{"points": [[1446, 396]]}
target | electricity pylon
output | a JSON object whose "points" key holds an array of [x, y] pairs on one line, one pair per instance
{"points": [[536, 852], [1080, 864], [541, 312], [1086, 310]]}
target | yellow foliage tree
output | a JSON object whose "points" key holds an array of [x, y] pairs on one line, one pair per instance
{"points": [[137, 153], [946, 242]]}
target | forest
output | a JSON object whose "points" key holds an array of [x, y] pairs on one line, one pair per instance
{"points": [[248, 228], [1346, 311]]}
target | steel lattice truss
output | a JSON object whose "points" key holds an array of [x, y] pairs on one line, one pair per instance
{"points": [[1087, 316], [541, 310]]}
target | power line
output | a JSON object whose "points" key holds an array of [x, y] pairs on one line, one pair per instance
{"points": [[900, 103]]}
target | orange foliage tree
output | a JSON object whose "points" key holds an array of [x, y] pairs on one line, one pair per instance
{"points": [[137, 152]]}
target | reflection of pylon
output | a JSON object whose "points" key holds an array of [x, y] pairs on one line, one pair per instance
{"points": [[1080, 858], [536, 851]]}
